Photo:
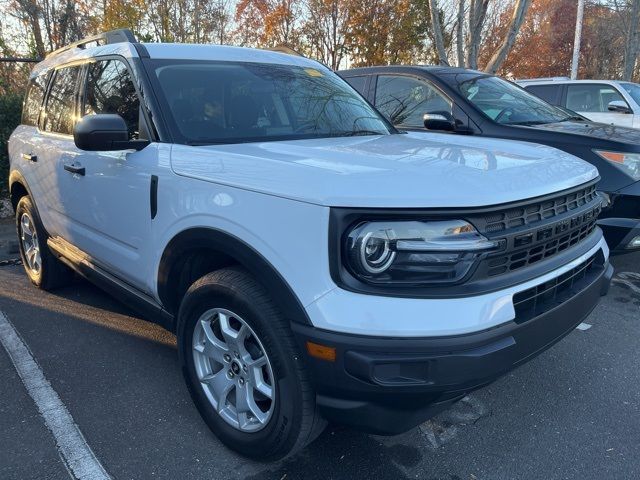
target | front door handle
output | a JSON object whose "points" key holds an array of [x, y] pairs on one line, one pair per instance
{"points": [[74, 168], [30, 157]]}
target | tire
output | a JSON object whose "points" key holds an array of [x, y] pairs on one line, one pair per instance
{"points": [[286, 422], [43, 269]]}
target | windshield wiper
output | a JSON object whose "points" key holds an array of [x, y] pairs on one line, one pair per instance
{"points": [[529, 123], [202, 143], [574, 118], [355, 133]]}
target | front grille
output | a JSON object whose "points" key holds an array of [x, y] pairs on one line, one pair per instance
{"points": [[522, 258], [502, 220], [540, 299], [530, 233]]}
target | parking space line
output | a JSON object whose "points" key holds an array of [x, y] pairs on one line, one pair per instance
{"points": [[77, 455]]}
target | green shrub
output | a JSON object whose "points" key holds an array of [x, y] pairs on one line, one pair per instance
{"points": [[10, 111]]}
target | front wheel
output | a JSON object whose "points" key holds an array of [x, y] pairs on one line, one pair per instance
{"points": [[243, 369]]}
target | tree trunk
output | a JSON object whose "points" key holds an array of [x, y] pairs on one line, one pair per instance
{"points": [[477, 15], [460, 34], [519, 13], [437, 32], [577, 39], [633, 38], [33, 13]]}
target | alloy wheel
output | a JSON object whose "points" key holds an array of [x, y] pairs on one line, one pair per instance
{"points": [[234, 370], [30, 244]]}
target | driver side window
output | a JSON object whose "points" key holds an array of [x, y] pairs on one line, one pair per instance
{"points": [[110, 89], [405, 100]]}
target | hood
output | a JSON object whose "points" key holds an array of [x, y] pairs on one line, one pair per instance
{"points": [[602, 131], [396, 171]]}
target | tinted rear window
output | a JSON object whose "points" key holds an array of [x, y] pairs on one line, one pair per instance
{"points": [[549, 93], [60, 101], [33, 99]]}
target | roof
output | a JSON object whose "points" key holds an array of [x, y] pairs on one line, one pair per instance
{"points": [[190, 51], [182, 51], [559, 81], [432, 69]]}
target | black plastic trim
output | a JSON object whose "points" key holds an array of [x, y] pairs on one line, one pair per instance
{"points": [[141, 49], [153, 196], [230, 246], [85, 266], [387, 385]]}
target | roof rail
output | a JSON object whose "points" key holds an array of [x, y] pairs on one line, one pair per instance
{"points": [[544, 79], [284, 49], [113, 36]]}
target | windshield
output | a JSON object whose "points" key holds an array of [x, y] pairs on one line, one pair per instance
{"points": [[632, 89], [507, 104], [225, 102]]}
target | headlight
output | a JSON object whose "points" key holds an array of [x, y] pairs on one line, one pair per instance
{"points": [[414, 252], [628, 162]]}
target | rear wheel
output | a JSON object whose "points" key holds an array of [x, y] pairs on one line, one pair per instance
{"points": [[42, 267], [243, 369]]}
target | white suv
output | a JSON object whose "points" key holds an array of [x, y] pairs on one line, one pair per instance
{"points": [[605, 101], [314, 263]]}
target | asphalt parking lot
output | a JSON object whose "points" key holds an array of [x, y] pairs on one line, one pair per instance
{"points": [[572, 413]]}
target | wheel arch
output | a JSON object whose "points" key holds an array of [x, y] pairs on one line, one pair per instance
{"points": [[18, 188], [190, 252]]}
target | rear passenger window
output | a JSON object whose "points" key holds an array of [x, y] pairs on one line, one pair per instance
{"points": [[548, 93], [33, 99], [359, 83], [110, 89], [59, 116]]}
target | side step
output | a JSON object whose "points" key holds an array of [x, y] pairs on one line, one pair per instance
{"points": [[80, 262]]}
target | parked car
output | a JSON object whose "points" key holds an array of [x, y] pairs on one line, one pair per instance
{"points": [[468, 102], [314, 263], [605, 101]]}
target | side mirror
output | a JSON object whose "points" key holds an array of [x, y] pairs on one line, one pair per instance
{"points": [[439, 121], [619, 106], [104, 132]]}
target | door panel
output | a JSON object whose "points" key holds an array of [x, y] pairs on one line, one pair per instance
{"points": [[51, 143], [107, 210], [106, 200]]}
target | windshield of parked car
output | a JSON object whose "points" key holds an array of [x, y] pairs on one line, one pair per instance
{"points": [[507, 104], [632, 89], [228, 102]]}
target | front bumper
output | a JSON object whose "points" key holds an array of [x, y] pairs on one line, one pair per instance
{"points": [[620, 220], [620, 233], [388, 385]]}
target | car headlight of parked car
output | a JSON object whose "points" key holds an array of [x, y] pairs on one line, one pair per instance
{"points": [[629, 162], [414, 252]]}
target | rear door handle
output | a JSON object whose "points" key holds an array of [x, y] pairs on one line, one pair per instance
{"points": [[30, 157], [74, 168]]}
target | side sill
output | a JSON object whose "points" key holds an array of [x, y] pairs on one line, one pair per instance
{"points": [[81, 263]]}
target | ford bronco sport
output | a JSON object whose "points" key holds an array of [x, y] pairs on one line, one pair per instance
{"points": [[314, 263]]}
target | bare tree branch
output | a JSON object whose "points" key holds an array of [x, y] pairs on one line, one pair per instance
{"points": [[633, 41], [460, 34], [519, 13], [437, 32]]}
